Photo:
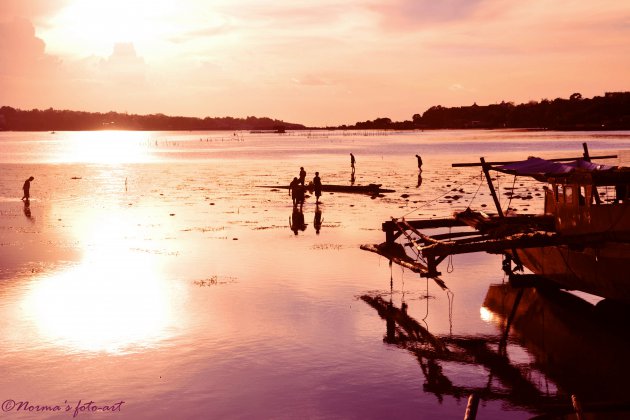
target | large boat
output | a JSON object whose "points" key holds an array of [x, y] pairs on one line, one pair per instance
{"points": [[580, 241]]}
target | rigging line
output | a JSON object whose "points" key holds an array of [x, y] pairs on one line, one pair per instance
{"points": [[478, 188], [427, 299], [511, 195], [402, 299], [451, 300], [391, 276], [449, 266], [438, 197]]}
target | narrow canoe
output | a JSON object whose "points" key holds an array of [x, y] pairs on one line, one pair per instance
{"points": [[371, 189]]}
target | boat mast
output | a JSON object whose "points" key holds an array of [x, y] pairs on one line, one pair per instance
{"points": [[486, 172]]}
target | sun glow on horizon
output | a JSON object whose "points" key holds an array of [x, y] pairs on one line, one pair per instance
{"points": [[93, 27]]}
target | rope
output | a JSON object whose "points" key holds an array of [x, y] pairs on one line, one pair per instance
{"points": [[438, 197], [449, 266], [478, 188], [511, 195], [451, 300]]}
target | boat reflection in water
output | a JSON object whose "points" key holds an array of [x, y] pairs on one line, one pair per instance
{"points": [[583, 348], [575, 352]]}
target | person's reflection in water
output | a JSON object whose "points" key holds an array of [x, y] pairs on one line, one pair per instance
{"points": [[27, 209], [352, 178], [296, 221], [419, 179], [317, 220]]}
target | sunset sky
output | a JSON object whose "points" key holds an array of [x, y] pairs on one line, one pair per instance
{"points": [[312, 62]]}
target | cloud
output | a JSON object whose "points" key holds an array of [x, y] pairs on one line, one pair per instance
{"points": [[30, 9], [312, 80], [403, 14], [202, 33], [124, 66], [21, 52]]}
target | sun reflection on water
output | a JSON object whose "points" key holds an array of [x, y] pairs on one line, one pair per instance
{"points": [[111, 302], [116, 300], [108, 147], [486, 314]]}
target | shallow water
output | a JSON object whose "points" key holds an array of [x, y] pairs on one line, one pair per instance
{"points": [[150, 268]]}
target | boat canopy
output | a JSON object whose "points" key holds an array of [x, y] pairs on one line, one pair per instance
{"points": [[542, 168], [534, 166]]}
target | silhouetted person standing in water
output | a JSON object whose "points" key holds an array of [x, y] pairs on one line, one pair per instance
{"points": [[293, 187], [419, 162], [27, 188], [302, 175], [317, 187], [352, 162]]}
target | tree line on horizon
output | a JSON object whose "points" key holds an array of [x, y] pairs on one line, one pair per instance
{"points": [[64, 120], [608, 112]]}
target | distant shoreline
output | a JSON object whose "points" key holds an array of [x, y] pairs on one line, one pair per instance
{"points": [[610, 112]]}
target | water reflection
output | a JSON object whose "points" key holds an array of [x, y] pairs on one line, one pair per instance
{"points": [[317, 219], [296, 221], [109, 147], [499, 377], [574, 346], [27, 209], [110, 302], [574, 342], [419, 179], [116, 299]]}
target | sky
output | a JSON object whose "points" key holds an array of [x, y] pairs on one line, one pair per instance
{"points": [[318, 63]]}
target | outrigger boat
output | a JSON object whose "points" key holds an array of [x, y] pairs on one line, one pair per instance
{"points": [[580, 242], [370, 189]]}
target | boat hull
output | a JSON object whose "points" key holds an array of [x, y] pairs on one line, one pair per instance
{"points": [[601, 271], [575, 343]]}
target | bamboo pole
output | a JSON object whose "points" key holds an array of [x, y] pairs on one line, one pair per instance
{"points": [[471, 408], [486, 172]]}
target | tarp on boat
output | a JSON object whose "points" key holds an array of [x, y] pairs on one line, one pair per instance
{"points": [[537, 167]]}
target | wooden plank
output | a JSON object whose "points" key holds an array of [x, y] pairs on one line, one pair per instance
{"points": [[422, 236], [404, 261], [425, 224], [523, 240], [395, 253]]}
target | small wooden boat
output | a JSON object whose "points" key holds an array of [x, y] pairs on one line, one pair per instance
{"points": [[370, 189]]}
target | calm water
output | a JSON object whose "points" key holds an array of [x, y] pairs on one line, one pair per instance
{"points": [[150, 268]]}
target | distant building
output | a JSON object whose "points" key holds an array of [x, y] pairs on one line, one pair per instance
{"points": [[616, 94]]}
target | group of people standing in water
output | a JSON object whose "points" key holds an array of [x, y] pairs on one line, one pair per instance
{"points": [[297, 189]]}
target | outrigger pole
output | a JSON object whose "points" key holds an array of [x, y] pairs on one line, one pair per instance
{"points": [[495, 234]]}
